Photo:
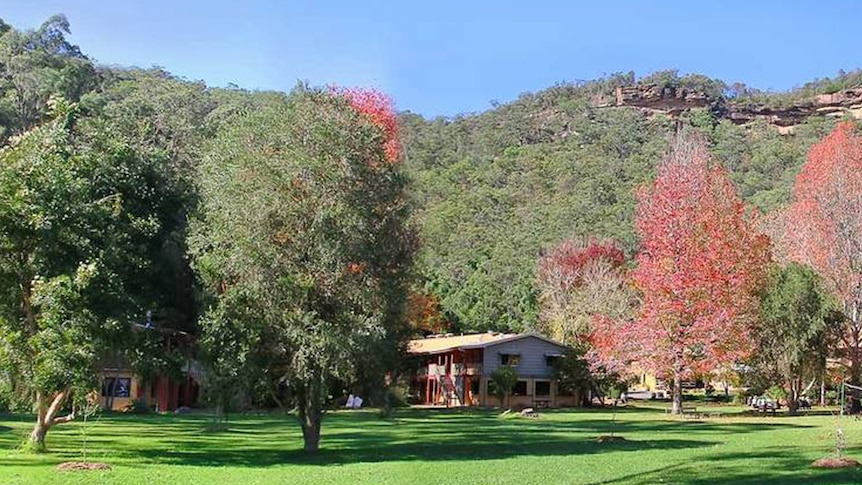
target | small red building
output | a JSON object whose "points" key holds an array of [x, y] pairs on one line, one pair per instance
{"points": [[121, 387]]}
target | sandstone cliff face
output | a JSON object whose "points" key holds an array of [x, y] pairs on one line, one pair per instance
{"points": [[668, 99], [674, 101]]}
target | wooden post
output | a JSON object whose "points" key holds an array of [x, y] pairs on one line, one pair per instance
{"points": [[162, 394], [437, 380], [187, 392]]}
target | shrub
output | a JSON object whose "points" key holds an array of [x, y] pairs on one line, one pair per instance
{"points": [[776, 393], [503, 380], [138, 406]]}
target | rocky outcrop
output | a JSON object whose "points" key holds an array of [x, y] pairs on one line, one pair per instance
{"points": [[841, 103], [669, 99], [674, 100]]}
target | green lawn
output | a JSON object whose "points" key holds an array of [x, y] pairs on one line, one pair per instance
{"points": [[438, 446]]}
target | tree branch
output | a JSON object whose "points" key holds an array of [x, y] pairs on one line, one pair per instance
{"points": [[54, 408]]}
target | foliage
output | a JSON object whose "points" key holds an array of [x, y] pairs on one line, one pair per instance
{"points": [[377, 107], [502, 382], [577, 282], [698, 268], [304, 248], [776, 393], [78, 218], [824, 228], [792, 335], [35, 66], [572, 373], [423, 314], [494, 190]]}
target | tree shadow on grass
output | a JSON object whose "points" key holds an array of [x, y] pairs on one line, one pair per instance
{"points": [[380, 449], [364, 437], [779, 465], [426, 435], [414, 435]]}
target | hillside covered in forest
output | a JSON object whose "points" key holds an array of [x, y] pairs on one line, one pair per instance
{"points": [[491, 190], [495, 189]]}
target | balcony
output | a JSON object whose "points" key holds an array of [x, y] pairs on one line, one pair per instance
{"points": [[458, 369]]}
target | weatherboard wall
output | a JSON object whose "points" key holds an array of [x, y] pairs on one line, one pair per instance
{"points": [[533, 353]]}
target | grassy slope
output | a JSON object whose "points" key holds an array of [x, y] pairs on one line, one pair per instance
{"points": [[441, 447]]}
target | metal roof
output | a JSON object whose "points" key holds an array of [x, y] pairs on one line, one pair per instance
{"points": [[437, 344]]}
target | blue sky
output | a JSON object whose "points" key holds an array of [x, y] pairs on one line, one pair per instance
{"points": [[447, 57]]}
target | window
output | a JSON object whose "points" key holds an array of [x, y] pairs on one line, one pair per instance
{"points": [[551, 360], [520, 389], [510, 359], [543, 388], [122, 386], [107, 385]]}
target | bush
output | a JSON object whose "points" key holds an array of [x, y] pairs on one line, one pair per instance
{"points": [[503, 380], [138, 406], [776, 393]]}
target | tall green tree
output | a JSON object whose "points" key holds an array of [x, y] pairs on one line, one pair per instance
{"points": [[304, 243], [35, 65], [80, 214], [792, 338]]}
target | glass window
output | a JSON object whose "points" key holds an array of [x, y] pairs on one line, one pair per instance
{"points": [[122, 386], [543, 388], [520, 389], [510, 359], [107, 385], [551, 360]]}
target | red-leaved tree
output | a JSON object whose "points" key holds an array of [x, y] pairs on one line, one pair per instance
{"points": [[585, 295], [698, 268], [378, 108], [577, 280], [823, 227]]}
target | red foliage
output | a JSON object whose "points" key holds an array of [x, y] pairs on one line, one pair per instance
{"points": [[565, 264], [823, 225], [698, 268], [586, 299], [378, 108], [612, 345], [423, 314]]}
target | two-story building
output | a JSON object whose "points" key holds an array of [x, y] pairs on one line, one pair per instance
{"points": [[455, 370]]}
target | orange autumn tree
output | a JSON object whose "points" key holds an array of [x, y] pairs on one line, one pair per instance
{"points": [[823, 227], [423, 314], [698, 267], [378, 108]]}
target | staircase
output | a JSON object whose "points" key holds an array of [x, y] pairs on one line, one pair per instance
{"points": [[450, 392]]}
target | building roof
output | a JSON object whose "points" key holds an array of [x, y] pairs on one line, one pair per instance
{"points": [[437, 344]]}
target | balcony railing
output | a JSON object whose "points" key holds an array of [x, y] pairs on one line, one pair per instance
{"points": [[458, 369]]}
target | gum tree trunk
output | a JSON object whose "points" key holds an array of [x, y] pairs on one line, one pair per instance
{"points": [[793, 397], [46, 417], [311, 413]]}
